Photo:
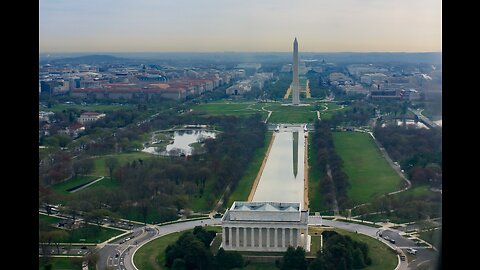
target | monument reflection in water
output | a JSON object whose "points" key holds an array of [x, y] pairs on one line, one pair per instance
{"points": [[283, 175]]}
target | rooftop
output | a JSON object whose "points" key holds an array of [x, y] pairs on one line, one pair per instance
{"points": [[266, 212], [265, 206]]}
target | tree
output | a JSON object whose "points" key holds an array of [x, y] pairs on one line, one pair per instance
{"points": [[58, 236], [83, 167], [229, 259], [179, 264], [111, 163], [358, 261], [294, 259]]}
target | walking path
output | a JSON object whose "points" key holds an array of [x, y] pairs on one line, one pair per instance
{"points": [[336, 211], [395, 167], [289, 90], [307, 91], [259, 174], [87, 185], [269, 114]]}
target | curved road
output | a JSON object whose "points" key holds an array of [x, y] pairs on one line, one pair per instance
{"points": [[143, 235], [124, 260]]}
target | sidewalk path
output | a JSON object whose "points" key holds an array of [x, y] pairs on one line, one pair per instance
{"points": [[87, 185]]}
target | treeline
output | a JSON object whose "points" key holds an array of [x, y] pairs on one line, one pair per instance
{"points": [[417, 150], [277, 89], [159, 187], [231, 152], [357, 114], [192, 251], [341, 253], [408, 208], [315, 85], [328, 160]]}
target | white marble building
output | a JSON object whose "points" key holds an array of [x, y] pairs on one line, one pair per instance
{"points": [[265, 226]]}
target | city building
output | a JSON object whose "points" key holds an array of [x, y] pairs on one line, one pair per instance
{"points": [[265, 226], [87, 117]]}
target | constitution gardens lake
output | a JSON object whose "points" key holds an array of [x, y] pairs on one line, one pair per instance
{"points": [[282, 179], [178, 142]]}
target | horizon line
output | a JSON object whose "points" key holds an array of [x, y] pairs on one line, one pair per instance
{"points": [[240, 52]]}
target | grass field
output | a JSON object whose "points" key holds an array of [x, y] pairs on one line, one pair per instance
{"points": [[382, 256], [332, 108], [101, 169], [88, 234], [369, 173], [48, 219], [259, 266], [88, 107], [105, 182], [245, 184], [152, 217], [416, 191], [291, 114], [151, 255], [62, 263], [383, 217], [205, 203], [433, 237], [62, 187], [316, 203], [231, 108]]}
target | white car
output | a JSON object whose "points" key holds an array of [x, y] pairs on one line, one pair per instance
{"points": [[412, 251]]}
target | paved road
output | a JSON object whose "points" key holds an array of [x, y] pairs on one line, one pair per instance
{"points": [[395, 167], [424, 255], [125, 251]]}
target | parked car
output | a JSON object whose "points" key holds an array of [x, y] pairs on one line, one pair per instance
{"points": [[402, 257], [412, 251]]}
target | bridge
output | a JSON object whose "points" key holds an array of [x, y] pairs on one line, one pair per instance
{"points": [[423, 118]]}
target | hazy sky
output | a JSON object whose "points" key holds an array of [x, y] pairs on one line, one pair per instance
{"points": [[246, 25]]}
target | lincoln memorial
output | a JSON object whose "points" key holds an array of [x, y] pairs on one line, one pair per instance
{"points": [[265, 226]]}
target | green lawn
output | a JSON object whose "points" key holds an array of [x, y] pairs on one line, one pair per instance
{"points": [[291, 114], [61, 263], [245, 184], [88, 107], [87, 234], [151, 255], [433, 237], [48, 219], [416, 191], [231, 108], [332, 108], [316, 202], [62, 187], [259, 266], [382, 256], [383, 217], [105, 182], [101, 169], [135, 214], [208, 199], [369, 173], [93, 234]]}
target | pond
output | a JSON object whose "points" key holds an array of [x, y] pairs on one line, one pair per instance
{"points": [[181, 144], [282, 179]]}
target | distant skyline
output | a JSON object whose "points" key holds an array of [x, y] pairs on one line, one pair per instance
{"points": [[247, 25]]}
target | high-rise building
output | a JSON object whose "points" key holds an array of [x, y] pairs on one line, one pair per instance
{"points": [[295, 85]]}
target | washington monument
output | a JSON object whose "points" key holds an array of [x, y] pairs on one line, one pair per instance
{"points": [[295, 86]]}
